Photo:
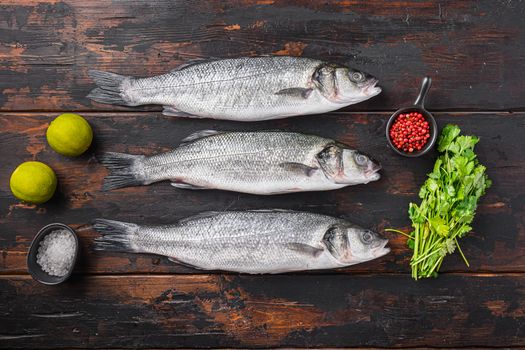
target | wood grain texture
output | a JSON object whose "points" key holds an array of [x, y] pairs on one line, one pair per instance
{"points": [[472, 49], [263, 311], [496, 245]]}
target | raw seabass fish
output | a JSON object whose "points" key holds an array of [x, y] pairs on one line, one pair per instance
{"points": [[265, 241], [242, 89], [264, 162]]}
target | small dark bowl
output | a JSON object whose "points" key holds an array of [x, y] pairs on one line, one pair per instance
{"points": [[420, 108], [32, 266]]}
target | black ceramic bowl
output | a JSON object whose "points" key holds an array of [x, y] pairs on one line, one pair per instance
{"points": [[419, 106], [32, 266]]}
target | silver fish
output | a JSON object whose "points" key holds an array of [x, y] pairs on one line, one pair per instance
{"points": [[264, 162], [242, 89], [264, 241]]}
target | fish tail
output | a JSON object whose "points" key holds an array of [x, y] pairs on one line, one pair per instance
{"points": [[110, 88], [116, 236], [124, 170]]}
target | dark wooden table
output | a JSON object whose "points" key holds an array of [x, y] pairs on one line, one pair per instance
{"points": [[473, 50]]}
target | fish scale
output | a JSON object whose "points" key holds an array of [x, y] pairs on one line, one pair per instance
{"points": [[269, 241], [244, 89], [236, 159], [263, 162]]}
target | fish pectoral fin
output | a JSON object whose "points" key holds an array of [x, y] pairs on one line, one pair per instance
{"points": [[299, 168], [183, 263], [296, 92], [199, 135], [305, 249], [187, 186], [174, 112]]}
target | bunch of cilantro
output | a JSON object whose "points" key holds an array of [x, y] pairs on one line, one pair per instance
{"points": [[449, 200]]}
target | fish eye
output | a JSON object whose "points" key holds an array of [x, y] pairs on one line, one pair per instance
{"points": [[357, 77], [367, 236], [361, 159]]}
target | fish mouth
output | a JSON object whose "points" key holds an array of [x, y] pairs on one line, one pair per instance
{"points": [[382, 249], [372, 173], [373, 176], [371, 89]]}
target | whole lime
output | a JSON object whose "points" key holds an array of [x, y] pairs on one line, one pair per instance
{"points": [[33, 182], [69, 134]]}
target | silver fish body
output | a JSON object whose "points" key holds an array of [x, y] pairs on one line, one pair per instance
{"points": [[264, 162], [267, 241], [242, 89]]}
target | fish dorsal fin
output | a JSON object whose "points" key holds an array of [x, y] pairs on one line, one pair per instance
{"points": [[203, 215], [199, 135], [271, 211], [193, 62], [304, 248], [299, 168], [297, 92], [209, 214]]}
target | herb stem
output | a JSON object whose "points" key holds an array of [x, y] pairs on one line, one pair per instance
{"points": [[424, 257], [448, 204], [461, 252], [398, 231]]}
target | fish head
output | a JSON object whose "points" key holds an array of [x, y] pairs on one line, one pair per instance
{"points": [[354, 86], [351, 244], [347, 166]]}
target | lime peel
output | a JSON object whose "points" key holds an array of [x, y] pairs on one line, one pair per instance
{"points": [[69, 134], [33, 182]]}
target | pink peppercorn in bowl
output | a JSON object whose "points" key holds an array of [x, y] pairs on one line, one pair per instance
{"points": [[412, 131]]}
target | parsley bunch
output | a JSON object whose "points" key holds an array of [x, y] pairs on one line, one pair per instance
{"points": [[449, 200]]}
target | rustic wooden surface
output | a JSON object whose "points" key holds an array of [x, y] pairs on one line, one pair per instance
{"points": [[265, 311], [473, 50]]}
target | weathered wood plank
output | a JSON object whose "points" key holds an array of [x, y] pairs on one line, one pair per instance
{"points": [[496, 245], [473, 49], [263, 311]]}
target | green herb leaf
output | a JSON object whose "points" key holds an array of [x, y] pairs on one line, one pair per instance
{"points": [[449, 200], [448, 134], [439, 226], [463, 230], [432, 185], [450, 246], [466, 142], [415, 214]]}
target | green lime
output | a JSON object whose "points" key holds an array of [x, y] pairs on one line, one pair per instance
{"points": [[33, 182], [69, 134]]}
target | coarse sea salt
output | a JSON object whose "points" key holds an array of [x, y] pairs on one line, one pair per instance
{"points": [[56, 252]]}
